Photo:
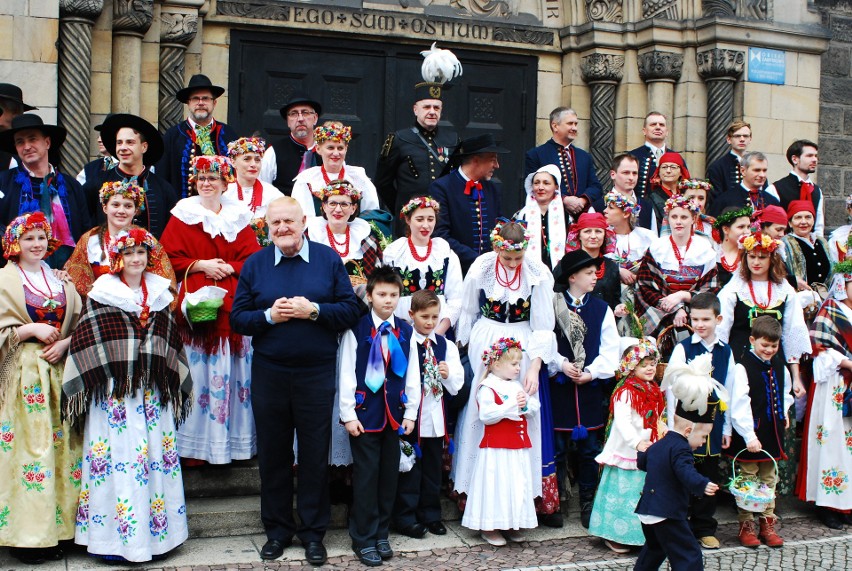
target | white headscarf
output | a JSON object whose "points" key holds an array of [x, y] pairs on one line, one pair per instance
{"points": [[555, 218]]}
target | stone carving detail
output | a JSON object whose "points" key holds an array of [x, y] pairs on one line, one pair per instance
{"points": [[605, 11], [250, 10], [172, 68], [602, 67], [523, 36], [502, 8], [660, 66], [665, 9], [719, 7], [748, 9], [89, 9], [132, 15], [178, 27], [720, 63]]}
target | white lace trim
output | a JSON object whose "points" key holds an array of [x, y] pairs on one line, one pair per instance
{"points": [[233, 217], [110, 290], [700, 253]]}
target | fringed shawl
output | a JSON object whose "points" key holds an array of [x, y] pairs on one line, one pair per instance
{"points": [[831, 329], [646, 400], [110, 344]]}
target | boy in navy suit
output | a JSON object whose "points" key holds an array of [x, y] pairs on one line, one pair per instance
{"points": [[379, 395], [671, 474]]}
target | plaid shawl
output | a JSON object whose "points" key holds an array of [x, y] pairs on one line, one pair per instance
{"points": [[371, 256], [831, 329], [111, 345], [651, 287]]}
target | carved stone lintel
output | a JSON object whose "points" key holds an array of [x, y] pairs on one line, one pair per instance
{"points": [[87, 9], [534, 37], [602, 67], [719, 7], [178, 27], [660, 66], [605, 11], [663, 9], [718, 63], [132, 16]]}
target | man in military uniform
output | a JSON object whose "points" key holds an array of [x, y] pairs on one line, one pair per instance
{"points": [[413, 157]]}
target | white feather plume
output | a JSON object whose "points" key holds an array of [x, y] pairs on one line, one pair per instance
{"points": [[691, 383], [439, 65]]}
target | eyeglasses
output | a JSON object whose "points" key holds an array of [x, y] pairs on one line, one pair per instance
{"points": [[206, 179], [342, 205], [669, 167], [297, 114], [200, 99]]}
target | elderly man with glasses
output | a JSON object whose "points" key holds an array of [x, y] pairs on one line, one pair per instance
{"points": [[295, 152], [199, 134]]}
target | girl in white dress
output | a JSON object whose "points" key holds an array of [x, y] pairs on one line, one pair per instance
{"points": [[500, 496], [247, 153]]}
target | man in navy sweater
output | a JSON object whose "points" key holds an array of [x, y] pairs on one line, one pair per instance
{"points": [[293, 298]]}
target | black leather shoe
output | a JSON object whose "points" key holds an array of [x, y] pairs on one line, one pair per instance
{"points": [[415, 530], [28, 555], [369, 556], [315, 553], [384, 549], [551, 520], [830, 519], [436, 528], [274, 548]]}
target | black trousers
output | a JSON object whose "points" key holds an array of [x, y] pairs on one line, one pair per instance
{"points": [[670, 538], [702, 510], [375, 471], [288, 400], [418, 493]]}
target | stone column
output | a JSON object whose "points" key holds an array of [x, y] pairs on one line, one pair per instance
{"points": [[76, 18], [178, 26], [131, 19], [720, 69], [660, 70], [603, 72]]}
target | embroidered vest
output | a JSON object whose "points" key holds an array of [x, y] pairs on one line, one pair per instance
{"points": [[721, 359]]}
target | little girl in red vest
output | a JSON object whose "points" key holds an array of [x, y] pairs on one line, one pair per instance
{"points": [[500, 498]]}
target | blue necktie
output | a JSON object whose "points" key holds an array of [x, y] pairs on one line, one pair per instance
{"points": [[375, 374]]}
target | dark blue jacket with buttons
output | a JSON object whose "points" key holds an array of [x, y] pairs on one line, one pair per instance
{"points": [[671, 478]]}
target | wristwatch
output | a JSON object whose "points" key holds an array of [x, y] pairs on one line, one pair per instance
{"points": [[314, 312]]}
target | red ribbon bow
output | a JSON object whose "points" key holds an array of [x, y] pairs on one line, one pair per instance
{"points": [[806, 190], [473, 184]]}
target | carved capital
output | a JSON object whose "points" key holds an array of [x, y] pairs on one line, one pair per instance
{"points": [[720, 63], [88, 9], [602, 67], [660, 66], [605, 11], [663, 9], [178, 27], [719, 7], [133, 16]]}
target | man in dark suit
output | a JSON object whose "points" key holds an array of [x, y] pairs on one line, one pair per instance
{"points": [[803, 156], [580, 186], [624, 174], [11, 105], [655, 131], [96, 168], [752, 191], [199, 134], [724, 173], [470, 201], [296, 151]]}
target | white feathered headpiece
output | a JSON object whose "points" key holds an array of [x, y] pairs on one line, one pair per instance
{"points": [[439, 66], [692, 384]]}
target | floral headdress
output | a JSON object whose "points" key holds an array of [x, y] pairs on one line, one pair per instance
{"points": [[340, 188], [245, 145], [129, 239], [624, 203], [129, 189], [499, 348], [645, 349], [759, 240], [504, 244], [728, 218], [325, 133], [419, 202], [212, 163], [20, 226], [842, 274], [694, 184], [678, 201]]}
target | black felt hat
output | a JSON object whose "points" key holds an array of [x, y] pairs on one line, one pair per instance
{"points": [[429, 90], [112, 124], [14, 93], [477, 145], [26, 121], [300, 98], [198, 82], [694, 416], [570, 264], [101, 124]]}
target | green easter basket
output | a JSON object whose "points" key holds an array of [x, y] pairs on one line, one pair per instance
{"points": [[202, 311], [749, 494]]}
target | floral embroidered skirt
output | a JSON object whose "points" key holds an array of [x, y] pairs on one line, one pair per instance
{"points": [[613, 515], [220, 427], [131, 501], [39, 457]]}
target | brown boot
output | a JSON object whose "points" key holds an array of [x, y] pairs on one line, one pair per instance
{"points": [[748, 535], [767, 532]]}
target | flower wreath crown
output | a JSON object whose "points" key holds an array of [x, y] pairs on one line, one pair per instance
{"points": [[620, 201], [694, 184], [245, 145], [728, 218], [212, 163], [325, 133], [679, 201], [643, 350], [505, 244], [419, 202], [341, 188], [128, 239], [759, 241], [130, 190], [499, 348]]}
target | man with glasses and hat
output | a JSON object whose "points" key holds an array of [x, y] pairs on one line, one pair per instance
{"points": [[198, 134], [36, 185], [11, 105], [290, 155], [103, 163], [470, 201], [412, 158], [136, 144]]}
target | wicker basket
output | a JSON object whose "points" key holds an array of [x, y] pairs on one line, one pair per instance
{"points": [[203, 311], [746, 492], [662, 341]]}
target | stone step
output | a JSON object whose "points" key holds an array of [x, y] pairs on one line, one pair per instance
{"points": [[239, 478]]}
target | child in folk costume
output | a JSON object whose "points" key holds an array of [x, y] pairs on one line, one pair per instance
{"points": [[127, 376], [672, 480], [762, 386], [587, 344], [418, 501], [500, 495], [634, 424]]}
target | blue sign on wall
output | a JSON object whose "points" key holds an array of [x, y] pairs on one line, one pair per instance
{"points": [[766, 66]]}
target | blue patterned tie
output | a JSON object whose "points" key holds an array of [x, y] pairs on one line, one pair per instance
{"points": [[375, 374]]}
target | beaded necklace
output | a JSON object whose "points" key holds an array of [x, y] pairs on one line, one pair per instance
{"points": [[413, 249], [513, 283], [332, 241], [49, 301]]}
